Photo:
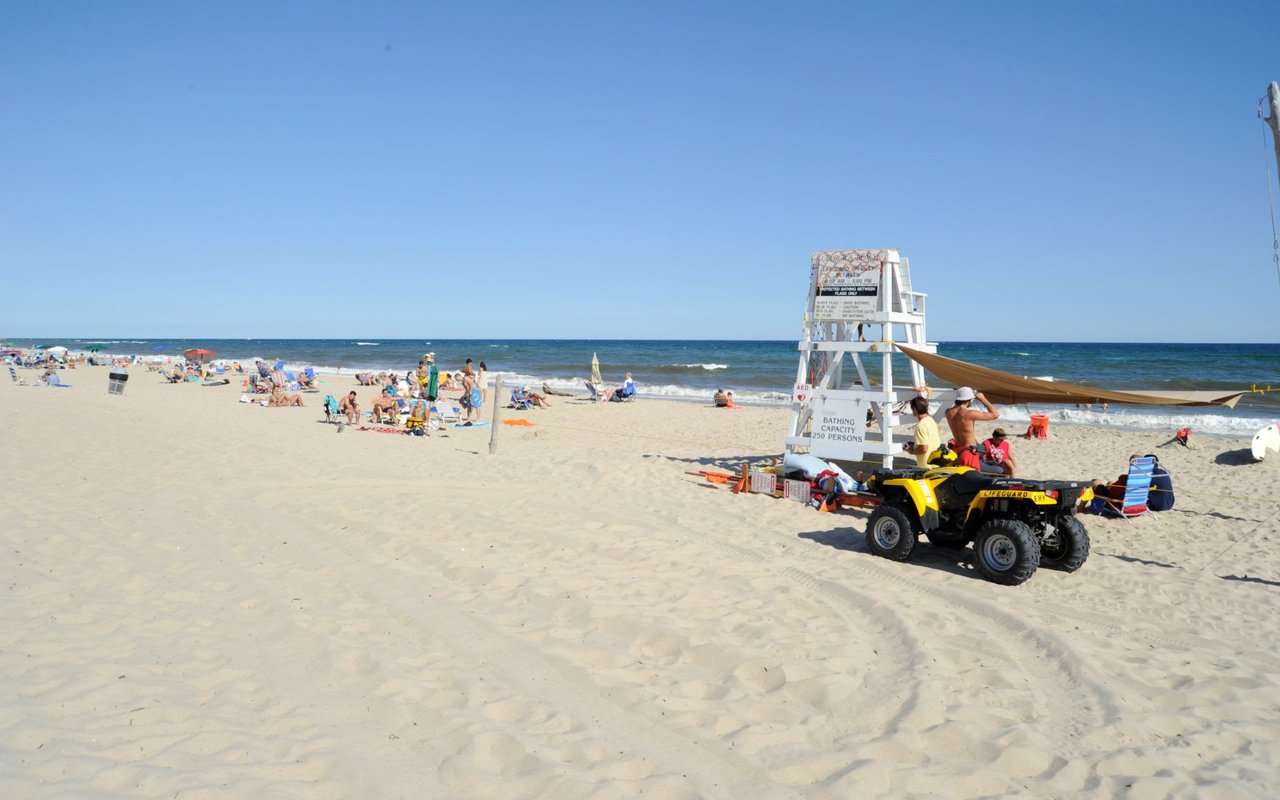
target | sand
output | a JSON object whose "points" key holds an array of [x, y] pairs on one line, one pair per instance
{"points": [[205, 599]]}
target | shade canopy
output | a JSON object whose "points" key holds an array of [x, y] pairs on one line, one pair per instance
{"points": [[1003, 387]]}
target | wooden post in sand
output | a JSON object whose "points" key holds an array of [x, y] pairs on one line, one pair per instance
{"points": [[497, 400]]}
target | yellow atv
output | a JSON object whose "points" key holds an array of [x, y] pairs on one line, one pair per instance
{"points": [[1015, 524]]}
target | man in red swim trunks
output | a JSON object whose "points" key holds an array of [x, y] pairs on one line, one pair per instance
{"points": [[960, 417]]}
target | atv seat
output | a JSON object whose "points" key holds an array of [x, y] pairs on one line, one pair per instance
{"points": [[961, 488]]}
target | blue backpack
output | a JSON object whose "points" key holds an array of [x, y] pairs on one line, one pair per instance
{"points": [[1160, 497]]}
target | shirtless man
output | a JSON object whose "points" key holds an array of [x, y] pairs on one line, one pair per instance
{"points": [[385, 403], [350, 406], [470, 398], [960, 417], [422, 376]]}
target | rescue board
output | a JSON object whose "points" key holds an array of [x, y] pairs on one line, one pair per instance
{"points": [[1267, 439]]}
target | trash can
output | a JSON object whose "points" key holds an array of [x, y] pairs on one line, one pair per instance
{"points": [[115, 383]]}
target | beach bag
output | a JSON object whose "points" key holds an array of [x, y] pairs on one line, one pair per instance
{"points": [[1160, 498]]}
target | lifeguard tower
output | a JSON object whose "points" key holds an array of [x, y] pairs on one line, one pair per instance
{"points": [[859, 302]]}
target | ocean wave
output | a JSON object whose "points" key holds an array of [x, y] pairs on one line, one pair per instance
{"points": [[367, 344], [701, 366], [1142, 419], [667, 391]]}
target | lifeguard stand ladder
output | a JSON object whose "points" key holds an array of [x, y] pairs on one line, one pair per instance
{"points": [[852, 292]]}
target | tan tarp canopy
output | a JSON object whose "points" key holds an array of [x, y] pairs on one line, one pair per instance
{"points": [[1001, 387]]}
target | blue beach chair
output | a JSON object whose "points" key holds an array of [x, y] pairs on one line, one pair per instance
{"points": [[331, 413], [1137, 491]]}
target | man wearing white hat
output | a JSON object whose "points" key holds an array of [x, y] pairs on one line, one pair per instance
{"points": [[960, 417]]}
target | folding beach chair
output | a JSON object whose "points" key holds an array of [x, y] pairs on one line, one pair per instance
{"points": [[1137, 490], [331, 413], [596, 392], [14, 375], [519, 400], [446, 413]]}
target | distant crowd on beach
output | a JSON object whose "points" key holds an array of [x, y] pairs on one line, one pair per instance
{"points": [[268, 382]]}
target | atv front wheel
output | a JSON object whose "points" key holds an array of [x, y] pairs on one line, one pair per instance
{"points": [[1006, 551], [1066, 546], [890, 533]]}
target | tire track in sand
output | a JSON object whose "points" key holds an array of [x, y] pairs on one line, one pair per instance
{"points": [[1072, 707], [414, 602]]}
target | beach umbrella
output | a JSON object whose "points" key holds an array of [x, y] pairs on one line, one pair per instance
{"points": [[595, 370], [199, 354]]}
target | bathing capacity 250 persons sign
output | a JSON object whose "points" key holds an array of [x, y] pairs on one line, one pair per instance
{"points": [[839, 428]]}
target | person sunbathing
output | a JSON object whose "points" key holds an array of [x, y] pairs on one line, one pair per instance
{"points": [[536, 399], [305, 382], [623, 392], [350, 406], [280, 399]]}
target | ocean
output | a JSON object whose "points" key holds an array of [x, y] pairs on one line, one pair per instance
{"points": [[763, 372]]}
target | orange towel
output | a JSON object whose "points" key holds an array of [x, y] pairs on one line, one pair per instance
{"points": [[522, 422]]}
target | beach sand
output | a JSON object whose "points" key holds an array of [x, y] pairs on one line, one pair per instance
{"points": [[206, 599]]}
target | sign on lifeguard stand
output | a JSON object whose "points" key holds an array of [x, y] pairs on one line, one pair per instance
{"points": [[860, 302]]}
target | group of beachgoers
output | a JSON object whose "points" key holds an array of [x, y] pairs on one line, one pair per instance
{"points": [[420, 388], [992, 456]]}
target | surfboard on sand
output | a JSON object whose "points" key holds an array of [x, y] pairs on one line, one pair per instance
{"points": [[1266, 440]]}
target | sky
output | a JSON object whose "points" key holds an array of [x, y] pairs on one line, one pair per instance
{"points": [[1054, 171]]}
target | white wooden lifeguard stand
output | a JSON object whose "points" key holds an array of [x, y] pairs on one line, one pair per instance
{"points": [[851, 292]]}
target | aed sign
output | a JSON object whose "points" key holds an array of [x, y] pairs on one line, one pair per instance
{"points": [[839, 428]]}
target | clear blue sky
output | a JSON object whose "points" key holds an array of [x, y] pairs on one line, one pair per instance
{"points": [[1054, 171]]}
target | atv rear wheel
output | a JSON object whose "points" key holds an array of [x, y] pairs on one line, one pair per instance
{"points": [[890, 533], [1006, 551], [1066, 546]]}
